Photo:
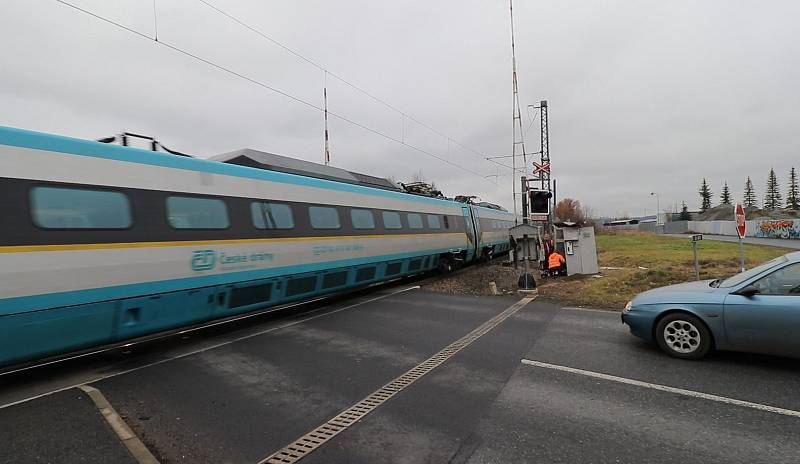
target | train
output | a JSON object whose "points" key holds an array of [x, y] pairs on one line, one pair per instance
{"points": [[102, 242]]}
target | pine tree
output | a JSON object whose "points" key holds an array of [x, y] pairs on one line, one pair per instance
{"points": [[726, 195], [705, 196], [793, 195], [772, 197], [749, 199], [685, 216]]}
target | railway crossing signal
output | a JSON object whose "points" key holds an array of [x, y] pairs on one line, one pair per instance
{"points": [[540, 201], [543, 167]]}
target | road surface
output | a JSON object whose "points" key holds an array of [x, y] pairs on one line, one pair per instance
{"points": [[546, 384]]}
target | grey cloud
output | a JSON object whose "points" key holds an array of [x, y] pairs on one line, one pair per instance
{"points": [[644, 95]]}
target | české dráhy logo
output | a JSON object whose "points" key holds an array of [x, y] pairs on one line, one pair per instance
{"points": [[203, 260]]}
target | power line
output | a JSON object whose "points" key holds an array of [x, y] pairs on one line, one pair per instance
{"points": [[265, 86], [532, 119], [335, 76]]}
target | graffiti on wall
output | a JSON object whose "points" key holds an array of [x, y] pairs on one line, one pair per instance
{"points": [[779, 228]]}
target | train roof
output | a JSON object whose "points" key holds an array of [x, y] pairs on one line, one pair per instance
{"points": [[251, 158], [272, 162], [273, 167]]}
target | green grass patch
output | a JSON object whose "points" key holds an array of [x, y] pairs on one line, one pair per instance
{"points": [[651, 261]]}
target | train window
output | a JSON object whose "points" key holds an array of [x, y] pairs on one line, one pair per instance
{"points": [[391, 220], [197, 213], [271, 215], [446, 222], [433, 222], [362, 219], [414, 221], [323, 217], [69, 208]]}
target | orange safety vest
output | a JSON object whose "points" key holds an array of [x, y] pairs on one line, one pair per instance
{"points": [[555, 260]]}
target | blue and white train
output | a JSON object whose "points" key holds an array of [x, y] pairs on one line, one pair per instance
{"points": [[100, 243]]}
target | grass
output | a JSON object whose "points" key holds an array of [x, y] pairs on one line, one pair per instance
{"points": [[649, 261]]}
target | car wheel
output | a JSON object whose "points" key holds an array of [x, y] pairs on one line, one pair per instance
{"points": [[683, 336]]}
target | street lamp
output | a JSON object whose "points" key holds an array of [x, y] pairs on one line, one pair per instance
{"points": [[658, 208]]}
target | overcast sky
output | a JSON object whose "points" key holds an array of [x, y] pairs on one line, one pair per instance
{"points": [[644, 95]]}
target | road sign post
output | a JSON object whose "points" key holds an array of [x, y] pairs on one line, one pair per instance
{"points": [[696, 238], [741, 230]]}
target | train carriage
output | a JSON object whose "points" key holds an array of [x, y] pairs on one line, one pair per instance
{"points": [[101, 243]]}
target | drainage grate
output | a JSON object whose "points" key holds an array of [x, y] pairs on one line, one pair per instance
{"points": [[319, 436]]}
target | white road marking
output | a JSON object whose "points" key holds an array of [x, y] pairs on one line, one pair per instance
{"points": [[665, 388], [591, 310], [202, 350], [125, 434]]}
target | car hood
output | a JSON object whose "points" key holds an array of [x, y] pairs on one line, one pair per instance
{"points": [[689, 292]]}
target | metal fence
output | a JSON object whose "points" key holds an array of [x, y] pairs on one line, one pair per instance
{"points": [[765, 228]]}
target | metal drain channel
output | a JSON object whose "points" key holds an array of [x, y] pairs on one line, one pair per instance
{"points": [[319, 436]]}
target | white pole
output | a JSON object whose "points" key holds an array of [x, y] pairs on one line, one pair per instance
{"points": [[741, 252], [658, 210]]}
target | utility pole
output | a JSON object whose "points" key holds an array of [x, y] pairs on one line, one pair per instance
{"points": [[544, 122], [325, 101], [658, 208], [524, 200], [541, 170], [516, 120]]}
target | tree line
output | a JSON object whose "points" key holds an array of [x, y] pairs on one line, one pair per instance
{"points": [[772, 200]]}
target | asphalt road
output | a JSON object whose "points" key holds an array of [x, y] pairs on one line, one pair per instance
{"points": [[241, 394], [546, 415], [776, 242]]}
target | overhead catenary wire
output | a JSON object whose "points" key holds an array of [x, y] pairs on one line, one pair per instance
{"points": [[268, 87], [532, 118], [336, 76], [492, 159]]}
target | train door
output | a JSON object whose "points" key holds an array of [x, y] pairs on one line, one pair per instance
{"points": [[469, 222], [478, 231]]}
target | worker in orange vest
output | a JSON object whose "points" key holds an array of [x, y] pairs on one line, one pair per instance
{"points": [[556, 263]]}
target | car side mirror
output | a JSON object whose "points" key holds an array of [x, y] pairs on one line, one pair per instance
{"points": [[748, 291]]}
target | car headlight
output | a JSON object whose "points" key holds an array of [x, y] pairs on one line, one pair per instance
{"points": [[628, 305]]}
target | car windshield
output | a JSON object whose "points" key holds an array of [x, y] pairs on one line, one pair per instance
{"points": [[743, 276]]}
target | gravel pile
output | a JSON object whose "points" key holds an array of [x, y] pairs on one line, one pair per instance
{"points": [[475, 280]]}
